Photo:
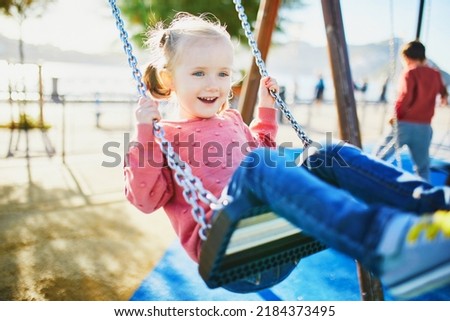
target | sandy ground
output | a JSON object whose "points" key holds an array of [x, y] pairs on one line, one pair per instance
{"points": [[66, 230], [60, 240]]}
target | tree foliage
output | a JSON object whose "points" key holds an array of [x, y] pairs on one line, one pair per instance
{"points": [[144, 13], [21, 9]]}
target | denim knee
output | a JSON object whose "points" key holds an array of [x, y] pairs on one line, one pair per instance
{"points": [[267, 157]]}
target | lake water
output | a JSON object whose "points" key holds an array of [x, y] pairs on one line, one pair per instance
{"points": [[75, 80], [91, 81]]}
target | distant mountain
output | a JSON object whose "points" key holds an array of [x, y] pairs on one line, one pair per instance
{"points": [[366, 61], [445, 75], [9, 50], [371, 61]]}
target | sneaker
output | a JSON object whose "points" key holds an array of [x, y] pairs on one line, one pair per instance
{"points": [[416, 251]]}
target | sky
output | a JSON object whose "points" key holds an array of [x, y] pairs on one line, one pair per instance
{"points": [[88, 26], [368, 21]]}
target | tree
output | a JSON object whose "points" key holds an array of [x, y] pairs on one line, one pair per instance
{"points": [[21, 10], [141, 13]]}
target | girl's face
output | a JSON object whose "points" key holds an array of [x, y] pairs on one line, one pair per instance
{"points": [[201, 77]]}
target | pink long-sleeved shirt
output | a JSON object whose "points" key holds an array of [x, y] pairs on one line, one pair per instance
{"points": [[212, 147]]}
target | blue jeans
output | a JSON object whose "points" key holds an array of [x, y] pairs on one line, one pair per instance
{"points": [[343, 197], [418, 139]]}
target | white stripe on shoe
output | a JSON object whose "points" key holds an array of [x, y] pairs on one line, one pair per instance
{"points": [[421, 284]]}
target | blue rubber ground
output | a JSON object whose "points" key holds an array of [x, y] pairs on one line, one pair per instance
{"points": [[325, 276]]}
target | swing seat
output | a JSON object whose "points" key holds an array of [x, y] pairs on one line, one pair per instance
{"points": [[243, 243]]}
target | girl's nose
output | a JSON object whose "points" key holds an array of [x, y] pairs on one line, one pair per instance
{"points": [[212, 84]]}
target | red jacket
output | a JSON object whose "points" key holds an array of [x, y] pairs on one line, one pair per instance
{"points": [[419, 87]]}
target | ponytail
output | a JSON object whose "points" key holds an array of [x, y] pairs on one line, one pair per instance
{"points": [[154, 83]]}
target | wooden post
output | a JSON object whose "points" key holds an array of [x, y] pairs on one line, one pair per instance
{"points": [[370, 287], [41, 98], [419, 19], [340, 67], [265, 23]]}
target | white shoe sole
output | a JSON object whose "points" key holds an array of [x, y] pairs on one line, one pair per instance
{"points": [[420, 284]]}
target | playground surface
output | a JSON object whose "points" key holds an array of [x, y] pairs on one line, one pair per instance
{"points": [[67, 232]]}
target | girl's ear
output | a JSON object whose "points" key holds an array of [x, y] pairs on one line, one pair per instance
{"points": [[166, 78]]}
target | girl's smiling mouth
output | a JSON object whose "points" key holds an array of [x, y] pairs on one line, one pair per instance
{"points": [[207, 100]]}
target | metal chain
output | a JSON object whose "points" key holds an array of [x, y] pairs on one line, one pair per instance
{"points": [[193, 190], [392, 74], [132, 61], [263, 71]]}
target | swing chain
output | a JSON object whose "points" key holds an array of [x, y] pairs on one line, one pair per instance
{"points": [[132, 61], [193, 189], [263, 71]]}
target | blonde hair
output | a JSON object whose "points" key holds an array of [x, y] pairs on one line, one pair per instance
{"points": [[166, 44]]}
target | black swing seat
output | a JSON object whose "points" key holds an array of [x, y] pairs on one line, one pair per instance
{"points": [[241, 244]]}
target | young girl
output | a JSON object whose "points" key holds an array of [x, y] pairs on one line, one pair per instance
{"points": [[355, 204]]}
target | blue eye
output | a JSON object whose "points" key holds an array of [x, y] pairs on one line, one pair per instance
{"points": [[223, 74], [198, 73]]}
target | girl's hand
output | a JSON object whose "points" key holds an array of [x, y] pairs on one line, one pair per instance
{"points": [[147, 111], [265, 98]]}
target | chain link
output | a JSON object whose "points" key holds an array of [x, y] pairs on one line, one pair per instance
{"points": [[193, 190], [263, 71], [392, 73]]}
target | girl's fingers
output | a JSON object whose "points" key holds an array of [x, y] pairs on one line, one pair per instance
{"points": [[147, 110], [270, 83], [147, 102]]}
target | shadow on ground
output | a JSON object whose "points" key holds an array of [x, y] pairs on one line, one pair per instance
{"points": [[56, 246]]}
